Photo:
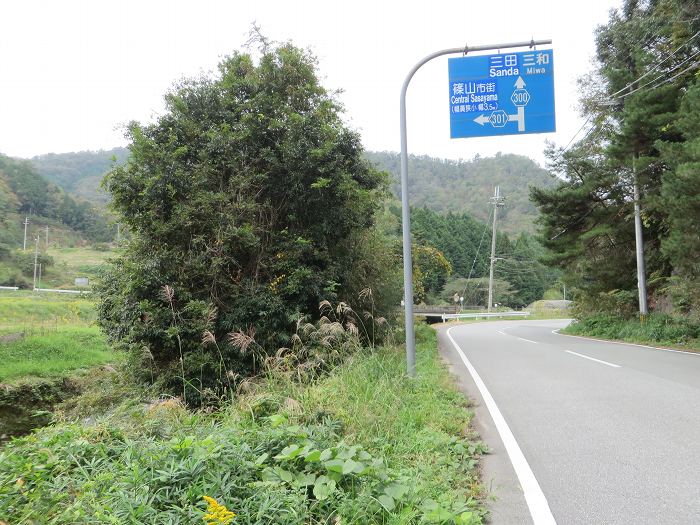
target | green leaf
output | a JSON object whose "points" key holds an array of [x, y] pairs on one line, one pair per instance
{"points": [[334, 465], [262, 458], [387, 502], [290, 452], [320, 183], [304, 479], [277, 420], [326, 454], [323, 487], [313, 456], [285, 475], [396, 490], [349, 466], [468, 518]]}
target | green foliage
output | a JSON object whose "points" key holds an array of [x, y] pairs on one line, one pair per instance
{"points": [[459, 187], [25, 261], [476, 291], [250, 200], [680, 197], [430, 271], [645, 134], [654, 329], [346, 452], [465, 244]]}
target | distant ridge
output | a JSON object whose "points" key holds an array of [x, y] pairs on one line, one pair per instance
{"points": [[465, 186], [80, 172]]}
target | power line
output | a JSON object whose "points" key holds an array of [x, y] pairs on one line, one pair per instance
{"points": [[657, 78], [657, 66], [666, 81]]}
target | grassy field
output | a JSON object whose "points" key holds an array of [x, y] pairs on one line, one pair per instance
{"points": [[70, 263], [25, 311], [57, 335], [50, 353]]}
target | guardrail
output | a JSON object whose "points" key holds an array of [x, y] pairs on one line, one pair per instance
{"points": [[14, 288], [479, 315], [59, 291]]}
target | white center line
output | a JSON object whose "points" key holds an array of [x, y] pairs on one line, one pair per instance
{"points": [[594, 359], [523, 339], [534, 497]]}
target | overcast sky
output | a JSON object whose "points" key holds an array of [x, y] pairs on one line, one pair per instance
{"points": [[73, 72]]}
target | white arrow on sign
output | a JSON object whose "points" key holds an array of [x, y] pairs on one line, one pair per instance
{"points": [[481, 119], [519, 118], [520, 83]]}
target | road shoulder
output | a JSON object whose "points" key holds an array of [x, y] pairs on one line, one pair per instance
{"points": [[506, 501]]}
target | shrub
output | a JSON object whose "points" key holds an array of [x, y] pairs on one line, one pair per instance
{"points": [[248, 199]]}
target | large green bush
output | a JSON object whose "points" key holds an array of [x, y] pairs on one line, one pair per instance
{"points": [[248, 203]]}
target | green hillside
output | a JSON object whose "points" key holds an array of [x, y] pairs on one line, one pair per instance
{"points": [[25, 194], [441, 185], [80, 173], [448, 186]]}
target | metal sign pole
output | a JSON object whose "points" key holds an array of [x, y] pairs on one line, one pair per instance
{"points": [[405, 211]]}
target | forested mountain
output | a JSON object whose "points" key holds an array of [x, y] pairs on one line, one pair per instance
{"points": [[643, 101], [441, 185], [465, 186], [25, 193], [80, 173]]}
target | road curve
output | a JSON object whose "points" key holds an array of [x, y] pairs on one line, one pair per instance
{"points": [[609, 432]]}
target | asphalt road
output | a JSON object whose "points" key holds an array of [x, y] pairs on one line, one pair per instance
{"points": [[581, 431]]}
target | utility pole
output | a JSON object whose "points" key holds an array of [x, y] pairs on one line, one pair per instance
{"points": [[47, 237], [36, 258], [639, 244], [497, 202], [24, 244]]}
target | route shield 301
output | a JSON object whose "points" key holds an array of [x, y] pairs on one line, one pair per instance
{"points": [[504, 94]]}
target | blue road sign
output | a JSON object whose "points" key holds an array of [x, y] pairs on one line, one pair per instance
{"points": [[504, 94]]}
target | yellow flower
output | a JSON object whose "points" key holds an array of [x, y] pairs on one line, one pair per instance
{"points": [[217, 514]]}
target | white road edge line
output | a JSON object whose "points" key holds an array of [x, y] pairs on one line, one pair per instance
{"points": [[625, 344], [534, 497], [593, 359], [502, 332]]}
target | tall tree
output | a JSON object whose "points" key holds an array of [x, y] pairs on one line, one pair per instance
{"points": [[633, 100], [251, 201]]}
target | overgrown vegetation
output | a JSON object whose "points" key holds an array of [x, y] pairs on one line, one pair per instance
{"points": [[465, 243], [362, 446]]}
